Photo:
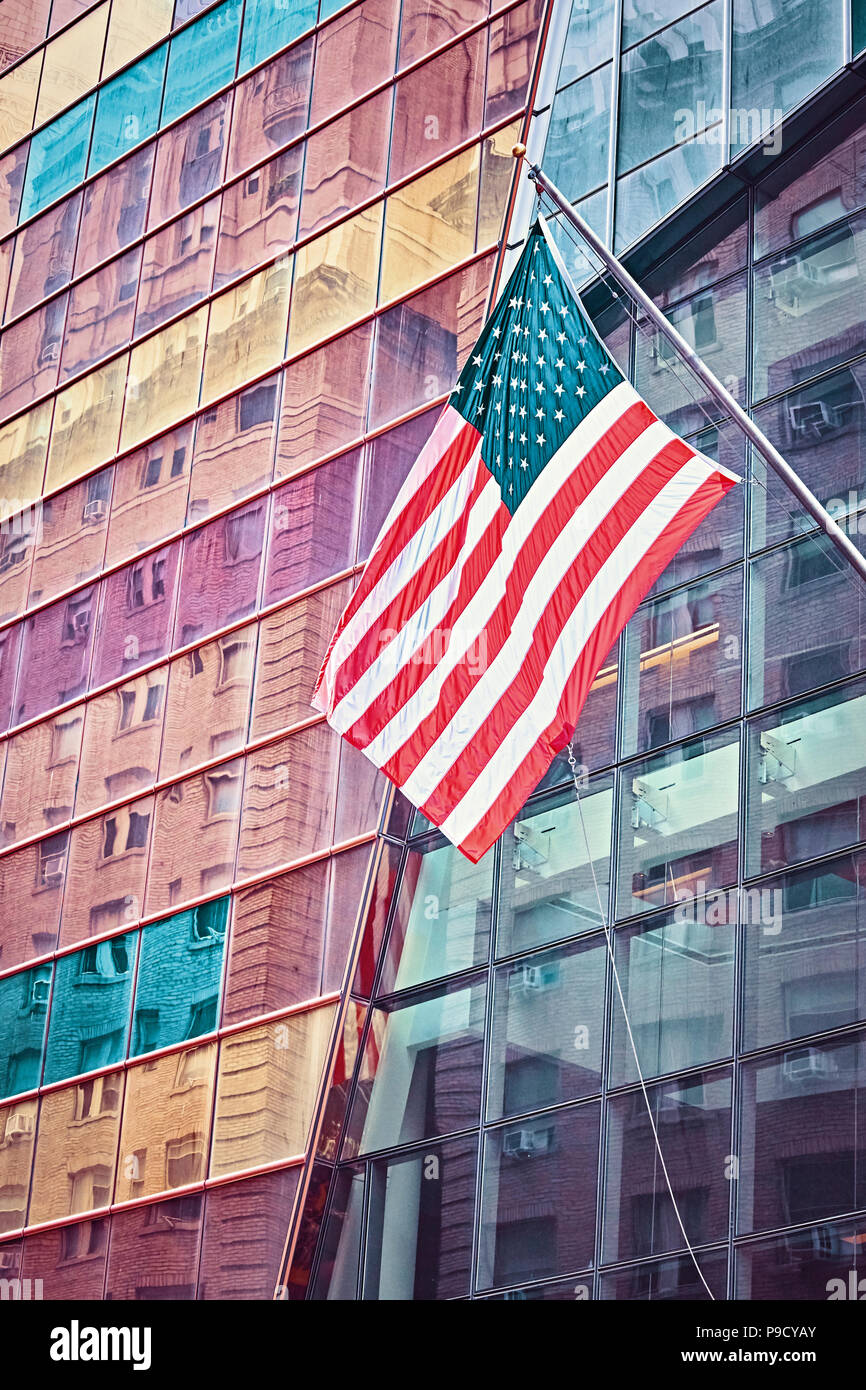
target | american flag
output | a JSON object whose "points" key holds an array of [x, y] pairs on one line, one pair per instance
{"points": [[543, 507]]}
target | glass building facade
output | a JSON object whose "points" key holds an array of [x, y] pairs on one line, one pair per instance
{"points": [[261, 1028]]}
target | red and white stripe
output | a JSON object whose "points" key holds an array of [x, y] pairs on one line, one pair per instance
{"points": [[524, 608]]}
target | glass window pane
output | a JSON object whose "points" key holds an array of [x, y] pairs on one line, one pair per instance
{"points": [[201, 59], [76, 1152], [803, 950], [428, 23], [270, 107], [120, 749], [12, 167], [818, 1263], [590, 37], [719, 538], [438, 107], [23, 1019], [178, 984], [234, 449], [671, 87], [90, 1007], [132, 29], [29, 356], [58, 157], [779, 57], [101, 312], [321, 505], [512, 50], [149, 499], [69, 1259], [430, 225], [183, 867], [354, 54], [418, 1248], [295, 817], [806, 780], [23, 447], [151, 1244], [813, 1093], [43, 256], [578, 138], [238, 1208], [135, 615], [268, 1079], [324, 400], [525, 1233], [189, 161], [547, 1029], [682, 663], [166, 1122], [292, 646], [806, 621], [677, 977], [413, 1053], [86, 423], [678, 824], [269, 967], [35, 876], [57, 645], [442, 919], [669, 1279], [114, 209], [127, 110], [18, 100], [268, 27], [422, 344], [389, 458], [650, 193], [107, 870], [247, 330], [41, 768], [340, 1251], [177, 267], [345, 163], [220, 580], [324, 297], [545, 849], [259, 215], [208, 702], [794, 199], [72, 64], [25, 24], [164, 378], [808, 309], [693, 1119]]}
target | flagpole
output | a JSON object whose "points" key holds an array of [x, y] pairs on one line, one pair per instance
{"points": [[720, 394]]}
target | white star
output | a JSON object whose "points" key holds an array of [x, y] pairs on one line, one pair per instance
{"points": [[479, 409], [523, 463], [496, 331], [542, 334], [582, 341], [529, 303], [515, 356], [540, 439], [558, 415], [497, 406], [604, 369], [479, 385], [561, 338], [514, 383], [581, 391], [524, 358], [563, 309], [545, 307], [510, 487], [548, 279], [559, 363], [539, 414], [558, 389], [539, 361], [523, 438], [526, 332], [581, 366], [522, 411], [523, 385], [512, 408], [539, 385], [512, 303], [476, 361], [511, 436], [497, 381]]}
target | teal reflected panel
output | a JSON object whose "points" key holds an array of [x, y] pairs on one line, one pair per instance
{"points": [[201, 60], [270, 25], [329, 7], [128, 109], [23, 1015], [90, 1008], [58, 157], [179, 974]]}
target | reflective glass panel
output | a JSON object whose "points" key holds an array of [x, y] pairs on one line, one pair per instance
{"points": [[90, 1007], [58, 157], [325, 297], [816, 1263], [132, 29], [184, 867], [72, 64], [177, 267], [166, 1122], [430, 225], [234, 449], [153, 1250], [164, 378], [127, 110], [270, 107], [120, 749], [201, 59], [292, 646], [208, 702], [324, 400], [23, 1019], [589, 38], [268, 27], [238, 1208], [247, 330], [107, 872], [779, 57], [321, 504], [101, 313], [178, 984], [189, 160], [345, 163], [288, 800], [438, 107], [135, 615], [259, 215], [578, 138], [76, 1153], [150, 494], [114, 209], [86, 423], [43, 256]]}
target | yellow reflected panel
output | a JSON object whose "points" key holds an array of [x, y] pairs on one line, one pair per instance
{"points": [[86, 422], [430, 225], [335, 279], [76, 1149], [247, 330], [72, 64], [497, 169], [18, 90], [133, 28], [164, 378], [23, 447], [268, 1080], [166, 1123]]}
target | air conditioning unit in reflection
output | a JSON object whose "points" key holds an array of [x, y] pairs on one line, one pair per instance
{"points": [[527, 1143], [533, 979], [530, 848], [19, 1124], [95, 509], [808, 1064]]}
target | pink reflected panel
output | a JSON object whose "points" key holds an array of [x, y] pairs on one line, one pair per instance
{"points": [[348, 876], [277, 943], [376, 911], [69, 1260], [31, 893], [426, 24], [29, 354], [115, 208], [153, 1250], [25, 24], [107, 872], [178, 266], [439, 106], [150, 494], [44, 255], [245, 1230], [101, 314], [288, 809], [12, 167], [10, 646], [313, 527], [259, 215], [195, 836], [324, 400], [189, 160], [136, 613], [73, 531], [512, 48], [360, 791], [55, 654], [271, 108], [17, 540], [346, 163], [234, 448], [354, 53], [389, 459], [220, 579], [422, 344]]}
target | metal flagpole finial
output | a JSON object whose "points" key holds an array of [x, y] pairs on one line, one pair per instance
{"points": [[518, 151]]}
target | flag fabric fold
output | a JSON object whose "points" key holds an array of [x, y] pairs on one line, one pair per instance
{"points": [[541, 510]]}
